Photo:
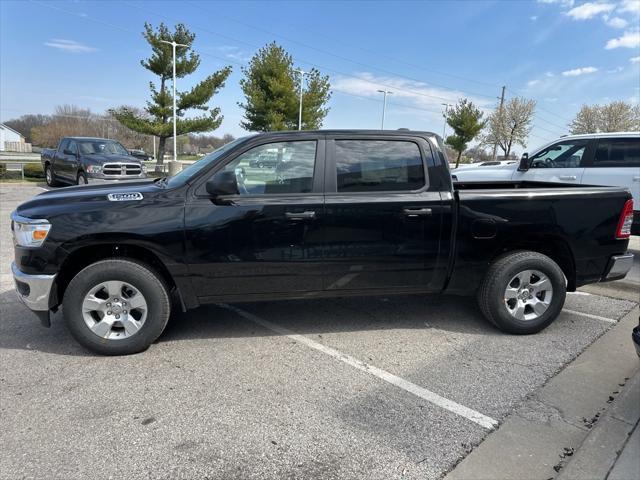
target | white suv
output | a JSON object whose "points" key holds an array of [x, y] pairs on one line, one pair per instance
{"points": [[592, 159]]}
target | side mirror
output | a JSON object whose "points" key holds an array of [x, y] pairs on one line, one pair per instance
{"points": [[223, 183], [524, 163], [69, 152]]}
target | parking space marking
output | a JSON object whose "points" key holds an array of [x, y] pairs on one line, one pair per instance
{"points": [[584, 294], [468, 413], [590, 315]]}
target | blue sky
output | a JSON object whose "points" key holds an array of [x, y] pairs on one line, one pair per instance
{"points": [[562, 53]]}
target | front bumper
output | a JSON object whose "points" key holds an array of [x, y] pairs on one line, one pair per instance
{"points": [[33, 290], [102, 180], [619, 266]]}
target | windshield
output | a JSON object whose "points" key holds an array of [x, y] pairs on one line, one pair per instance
{"points": [[186, 174], [93, 147]]}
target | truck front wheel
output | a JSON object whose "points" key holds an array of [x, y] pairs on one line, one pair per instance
{"points": [[116, 307], [522, 292]]}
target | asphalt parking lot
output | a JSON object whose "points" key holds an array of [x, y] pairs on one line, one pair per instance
{"points": [[398, 387]]}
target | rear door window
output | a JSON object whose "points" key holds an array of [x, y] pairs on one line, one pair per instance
{"points": [[378, 165], [618, 152]]}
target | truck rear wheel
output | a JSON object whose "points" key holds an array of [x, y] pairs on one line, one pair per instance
{"points": [[116, 307], [523, 292], [49, 176]]}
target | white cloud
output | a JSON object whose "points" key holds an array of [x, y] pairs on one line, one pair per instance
{"points": [[234, 53], [69, 46], [589, 10], [532, 83], [564, 3], [631, 6], [533, 18], [616, 22], [418, 94], [634, 59], [579, 71], [628, 40]]}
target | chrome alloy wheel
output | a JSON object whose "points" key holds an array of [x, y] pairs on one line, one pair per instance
{"points": [[114, 310], [528, 295], [49, 175]]}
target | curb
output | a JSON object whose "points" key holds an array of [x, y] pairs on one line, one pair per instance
{"points": [[601, 448], [539, 438]]}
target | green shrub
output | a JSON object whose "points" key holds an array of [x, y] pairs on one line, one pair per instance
{"points": [[3, 170], [33, 170]]}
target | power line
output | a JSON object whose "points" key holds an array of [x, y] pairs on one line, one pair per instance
{"points": [[313, 64]]}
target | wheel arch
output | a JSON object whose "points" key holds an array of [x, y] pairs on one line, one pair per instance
{"points": [[554, 247], [87, 255]]}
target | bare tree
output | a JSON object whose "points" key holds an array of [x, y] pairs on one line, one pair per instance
{"points": [[616, 116], [510, 125]]}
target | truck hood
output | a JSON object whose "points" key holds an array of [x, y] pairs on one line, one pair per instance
{"points": [[70, 199], [110, 157]]}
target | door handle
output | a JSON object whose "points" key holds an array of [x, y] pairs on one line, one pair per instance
{"points": [[307, 215], [417, 212], [567, 177]]}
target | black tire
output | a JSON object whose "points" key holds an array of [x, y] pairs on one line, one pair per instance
{"points": [[81, 179], [49, 176], [148, 282], [492, 298]]}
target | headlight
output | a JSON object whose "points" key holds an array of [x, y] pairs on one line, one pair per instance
{"points": [[94, 168], [29, 232]]}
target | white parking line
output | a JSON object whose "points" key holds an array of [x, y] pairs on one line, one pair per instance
{"points": [[589, 315], [468, 413], [584, 294]]}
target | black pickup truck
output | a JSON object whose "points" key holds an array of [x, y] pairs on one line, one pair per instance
{"points": [[344, 213], [82, 160]]}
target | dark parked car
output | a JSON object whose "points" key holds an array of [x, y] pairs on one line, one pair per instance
{"points": [[356, 213], [636, 338], [264, 159], [141, 155], [81, 160]]}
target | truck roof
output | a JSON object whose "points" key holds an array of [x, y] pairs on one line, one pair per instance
{"points": [[92, 138], [353, 132]]}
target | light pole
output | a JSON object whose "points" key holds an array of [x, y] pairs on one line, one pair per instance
{"points": [[302, 74], [175, 143], [444, 127], [384, 104]]}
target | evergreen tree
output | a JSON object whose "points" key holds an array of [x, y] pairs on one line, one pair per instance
{"points": [[271, 88], [466, 120], [157, 119]]}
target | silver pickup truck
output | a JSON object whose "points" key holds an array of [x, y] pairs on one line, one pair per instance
{"points": [[82, 160]]}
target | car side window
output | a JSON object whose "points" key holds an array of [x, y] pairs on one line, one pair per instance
{"points": [[275, 168], [567, 154], [72, 146], [378, 165], [64, 144], [618, 152]]}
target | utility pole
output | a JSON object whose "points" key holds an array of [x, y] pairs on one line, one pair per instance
{"points": [[495, 145], [384, 105], [302, 74], [444, 127], [174, 45]]}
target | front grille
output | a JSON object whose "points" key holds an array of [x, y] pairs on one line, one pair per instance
{"points": [[121, 169]]}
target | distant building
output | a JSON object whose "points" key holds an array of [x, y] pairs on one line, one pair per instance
{"points": [[12, 141]]}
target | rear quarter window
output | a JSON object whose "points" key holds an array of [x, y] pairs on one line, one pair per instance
{"points": [[618, 152], [378, 165]]}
